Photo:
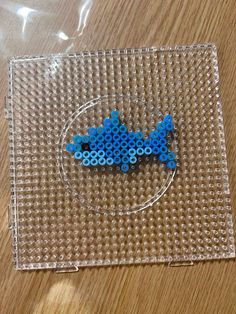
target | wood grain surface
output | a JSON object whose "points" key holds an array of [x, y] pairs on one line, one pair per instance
{"points": [[59, 26]]}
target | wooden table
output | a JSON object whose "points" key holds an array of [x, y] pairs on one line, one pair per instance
{"points": [[58, 26]]}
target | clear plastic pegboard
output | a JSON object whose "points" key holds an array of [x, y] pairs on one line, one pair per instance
{"points": [[65, 215]]}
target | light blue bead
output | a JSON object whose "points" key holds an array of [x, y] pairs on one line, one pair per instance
{"points": [[114, 114], [92, 131], [132, 159], [132, 152], [86, 162], [102, 161], [94, 162], [78, 155], [147, 150], [93, 154], [140, 151], [110, 161], [101, 153], [70, 148], [124, 167], [86, 154]]}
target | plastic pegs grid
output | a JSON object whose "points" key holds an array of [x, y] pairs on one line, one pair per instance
{"points": [[64, 215]]}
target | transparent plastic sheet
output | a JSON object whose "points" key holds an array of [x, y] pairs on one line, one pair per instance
{"points": [[53, 227]]}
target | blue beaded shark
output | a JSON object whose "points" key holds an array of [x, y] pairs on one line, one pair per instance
{"points": [[112, 144]]}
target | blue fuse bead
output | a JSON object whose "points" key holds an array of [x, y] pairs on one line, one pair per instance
{"points": [[140, 151], [147, 150], [100, 145], [163, 149], [153, 134], [93, 139], [108, 145], [124, 167], [139, 135], [102, 161], [117, 153], [114, 114], [123, 129], [107, 122], [163, 157], [115, 121], [86, 162], [116, 137], [100, 130], [161, 134], [70, 148], [162, 141], [154, 143], [124, 152], [171, 156], [108, 138], [109, 153], [110, 161], [93, 146], [92, 131], [124, 136], [125, 159], [132, 152], [100, 138], [156, 150], [85, 139], [171, 164], [133, 159], [123, 144], [78, 155], [131, 144], [101, 153], [169, 127], [108, 130], [116, 144], [139, 143], [115, 130], [147, 143], [94, 162], [131, 136], [77, 139], [117, 160]]}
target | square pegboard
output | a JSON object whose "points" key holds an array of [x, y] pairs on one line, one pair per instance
{"points": [[64, 215]]}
